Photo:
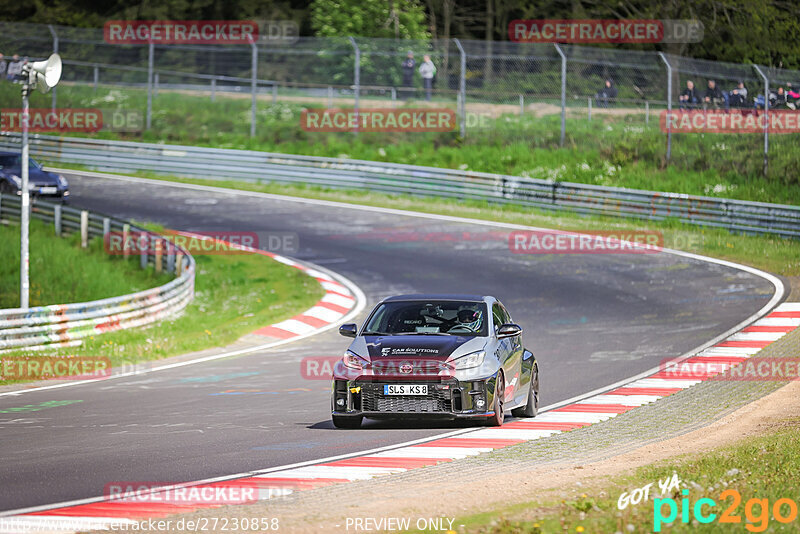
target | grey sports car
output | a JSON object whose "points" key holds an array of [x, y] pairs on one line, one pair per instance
{"points": [[440, 356]]}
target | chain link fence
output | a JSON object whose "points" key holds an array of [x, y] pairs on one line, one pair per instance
{"points": [[484, 79]]}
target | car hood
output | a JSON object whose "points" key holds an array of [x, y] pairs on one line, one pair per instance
{"points": [[421, 346], [35, 176]]}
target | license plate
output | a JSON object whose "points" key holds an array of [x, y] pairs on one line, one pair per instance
{"points": [[48, 191], [405, 389]]}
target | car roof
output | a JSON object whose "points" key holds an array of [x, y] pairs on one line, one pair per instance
{"points": [[435, 296]]}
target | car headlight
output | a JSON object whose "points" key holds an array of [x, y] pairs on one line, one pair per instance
{"points": [[353, 360], [62, 181], [468, 361]]}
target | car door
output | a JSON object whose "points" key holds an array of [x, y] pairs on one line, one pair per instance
{"points": [[506, 352]]}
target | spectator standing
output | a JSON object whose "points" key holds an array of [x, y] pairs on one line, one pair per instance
{"points": [[713, 96], [408, 74], [427, 70], [688, 98], [2, 67], [607, 94], [792, 96], [14, 69]]}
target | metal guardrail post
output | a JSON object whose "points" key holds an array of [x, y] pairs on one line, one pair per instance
{"points": [[155, 85], [521, 105], [84, 229], [589, 102], [57, 219], [150, 53], [96, 77], [766, 113], [563, 93], [462, 88], [126, 231], [158, 254], [106, 229], [144, 246], [170, 257], [274, 93], [669, 103], [394, 97], [356, 78], [253, 86], [54, 102], [330, 97], [646, 113]]}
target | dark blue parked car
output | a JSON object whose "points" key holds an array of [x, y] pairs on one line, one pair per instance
{"points": [[40, 182]]}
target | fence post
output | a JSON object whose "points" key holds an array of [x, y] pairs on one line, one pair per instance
{"points": [[563, 92], [106, 229], [330, 96], [158, 255], [646, 113], [253, 86], [669, 103], [150, 52], [213, 89], [55, 51], [462, 88], [356, 78], [766, 116], [96, 77], [521, 105], [178, 263], [57, 219], [394, 97], [144, 239], [589, 102], [126, 229], [170, 257], [155, 85], [274, 93], [84, 229]]}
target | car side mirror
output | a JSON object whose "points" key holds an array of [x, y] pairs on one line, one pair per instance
{"points": [[509, 330], [348, 330]]}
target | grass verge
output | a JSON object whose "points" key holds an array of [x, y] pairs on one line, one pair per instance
{"points": [[618, 149], [62, 272], [761, 470], [234, 295]]}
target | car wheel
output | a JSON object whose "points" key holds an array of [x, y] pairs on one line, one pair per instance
{"points": [[531, 408], [497, 405], [347, 421], [6, 188]]}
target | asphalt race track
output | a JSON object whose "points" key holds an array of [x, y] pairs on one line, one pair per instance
{"points": [[591, 319]]}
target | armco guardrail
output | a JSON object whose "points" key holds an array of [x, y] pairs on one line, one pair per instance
{"points": [[253, 166], [59, 325]]}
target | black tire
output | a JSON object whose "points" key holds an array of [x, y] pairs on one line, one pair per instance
{"points": [[347, 421], [531, 408], [497, 404], [6, 188]]}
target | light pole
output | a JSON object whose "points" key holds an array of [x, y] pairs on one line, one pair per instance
{"points": [[43, 75]]}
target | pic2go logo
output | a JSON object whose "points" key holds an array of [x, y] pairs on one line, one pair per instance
{"points": [[756, 511]]}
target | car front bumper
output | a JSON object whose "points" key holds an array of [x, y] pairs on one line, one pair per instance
{"points": [[447, 398]]}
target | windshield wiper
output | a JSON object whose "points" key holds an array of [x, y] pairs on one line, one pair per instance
{"points": [[376, 334]]}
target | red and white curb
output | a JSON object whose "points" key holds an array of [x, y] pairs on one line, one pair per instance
{"points": [[101, 513]]}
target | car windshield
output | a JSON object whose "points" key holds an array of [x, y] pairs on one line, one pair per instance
{"points": [[445, 317], [12, 161]]}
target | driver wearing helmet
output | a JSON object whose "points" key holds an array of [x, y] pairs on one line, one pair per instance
{"points": [[469, 318]]}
